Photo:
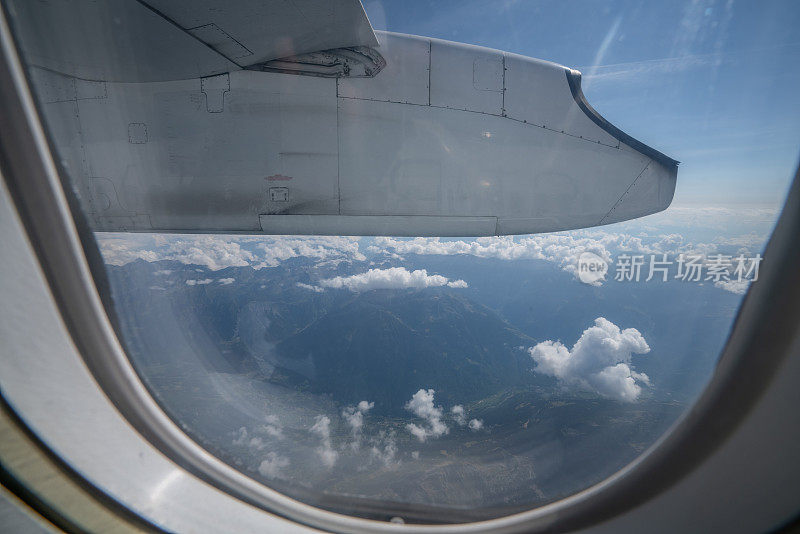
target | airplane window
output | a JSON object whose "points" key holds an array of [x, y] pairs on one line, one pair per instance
{"points": [[247, 192]]}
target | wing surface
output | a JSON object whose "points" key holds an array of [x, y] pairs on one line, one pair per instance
{"points": [[166, 40], [249, 32]]}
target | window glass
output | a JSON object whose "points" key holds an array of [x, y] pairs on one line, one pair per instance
{"points": [[442, 379]]}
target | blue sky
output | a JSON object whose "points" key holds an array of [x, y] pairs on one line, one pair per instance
{"points": [[712, 83]]}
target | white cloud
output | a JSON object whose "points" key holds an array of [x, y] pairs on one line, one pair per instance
{"points": [[273, 465], [392, 278], [327, 456], [384, 450], [199, 282], [475, 424], [220, 251], [751, 241], [562, 249], [226, 281], [421, 404], [354, 416], [283, 248], [273, 427], [214, 252], [721, 218], [458, 414], [322, 427], [315, 289], [739, 287], [256, 443], [241, 436], [600, 361], [417, 431]]}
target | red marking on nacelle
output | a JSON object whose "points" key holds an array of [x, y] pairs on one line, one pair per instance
{"points": [[278, 178]]}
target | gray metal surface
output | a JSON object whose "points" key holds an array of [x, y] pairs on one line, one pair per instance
{"points": [[406, 77], [467, 78], [428, 140], [157, 40], [424, 226], [113, 40], [249, 32], [16, 517]]}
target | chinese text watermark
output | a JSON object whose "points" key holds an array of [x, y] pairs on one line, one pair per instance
{"points": [[660, 267]]}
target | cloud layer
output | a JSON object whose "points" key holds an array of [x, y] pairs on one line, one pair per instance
{"points": [[564, 249], [600, 361], [221, 251], [714, 228]]}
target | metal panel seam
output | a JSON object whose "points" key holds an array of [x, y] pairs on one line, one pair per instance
{"points": [[489, 114], [625, 192]]}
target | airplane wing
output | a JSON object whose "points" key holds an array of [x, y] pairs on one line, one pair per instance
{"points": [[249, 32], [295, 117], [160, 40]]}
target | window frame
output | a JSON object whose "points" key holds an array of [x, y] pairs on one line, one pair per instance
{"points": [[760, 340]]}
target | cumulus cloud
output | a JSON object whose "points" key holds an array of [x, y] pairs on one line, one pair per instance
{"points": [[600, 361], [273, 427], [315, 289], [214, 252], [392, 278], [738, 287], [203, 282], [354, 416], [421, 404], [458, 414], [384, 449], [256, 443], [226, 281], [240, 436], [273, 465], [322, 427], [475, 424]]}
